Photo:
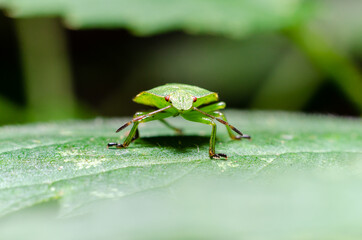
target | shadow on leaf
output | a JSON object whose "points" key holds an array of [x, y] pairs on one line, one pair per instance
{"points": [[178, 142]]}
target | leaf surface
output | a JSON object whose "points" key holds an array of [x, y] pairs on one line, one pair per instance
{"points": [[69, 161]]}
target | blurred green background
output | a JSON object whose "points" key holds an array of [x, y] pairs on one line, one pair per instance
{"points": [[78, 59]]}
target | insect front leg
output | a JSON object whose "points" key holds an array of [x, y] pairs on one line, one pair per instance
{"points": [[161, 117], [197, 117], [133, 135], [138, 118], [137, 134]]}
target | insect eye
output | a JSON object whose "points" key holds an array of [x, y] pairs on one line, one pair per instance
{"points": [[167, 98], [194, 98]]}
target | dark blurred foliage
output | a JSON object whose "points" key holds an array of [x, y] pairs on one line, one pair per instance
{"points": [[109, 67], [12, 86]]}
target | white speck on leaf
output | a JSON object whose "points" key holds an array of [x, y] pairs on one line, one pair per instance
{"points": [[112, 193], [269, 159], [67, 153], [85, 161], [287, 137], [224, 165], [65, 133]]}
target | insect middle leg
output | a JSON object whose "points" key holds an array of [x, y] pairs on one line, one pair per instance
{"points": [[230, 132], [212, 110], [177, 130]]}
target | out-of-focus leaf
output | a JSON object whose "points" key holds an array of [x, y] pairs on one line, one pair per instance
{"points": [[341, 22], [335, 64], [69, 161], [299, 177], [229, 17], [46, 69], [290, 86], [10, 111]]}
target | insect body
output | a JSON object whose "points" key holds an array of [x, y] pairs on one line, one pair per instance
{"points": [[190, 102]]}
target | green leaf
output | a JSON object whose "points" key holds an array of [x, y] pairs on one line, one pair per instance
{"points": [[69, 161], [299, 177], [229, 17]]}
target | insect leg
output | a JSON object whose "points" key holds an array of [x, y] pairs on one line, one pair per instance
{"points": [[178, 130], [161, 117], [137, 134], [197, 117], [230, 132], [241, 135], [213, 107], [139, 118], [212, 110], [134, 133], [131, 136]]}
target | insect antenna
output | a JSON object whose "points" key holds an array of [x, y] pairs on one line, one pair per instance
{"points": [[223, 122], [142, 117]]}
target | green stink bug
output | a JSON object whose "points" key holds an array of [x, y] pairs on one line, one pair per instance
{"points": [[181, 99]]}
